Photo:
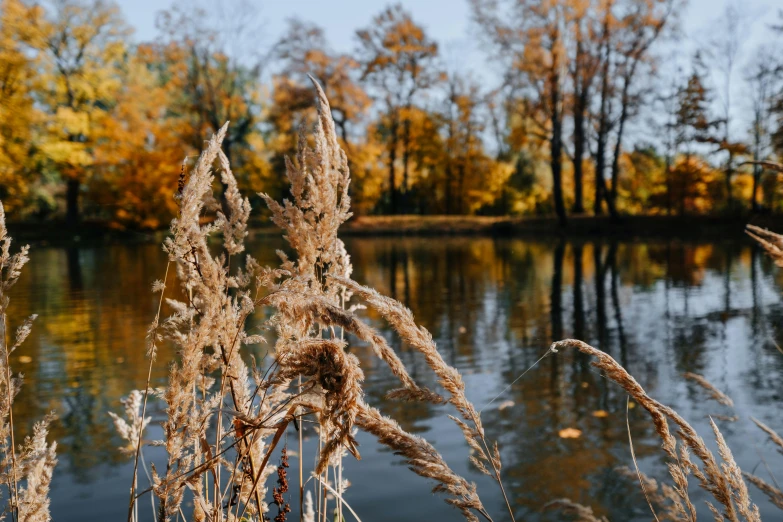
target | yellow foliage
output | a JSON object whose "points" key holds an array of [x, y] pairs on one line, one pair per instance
{"points": [[18, 114]]}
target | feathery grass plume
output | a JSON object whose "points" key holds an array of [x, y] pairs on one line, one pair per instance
{"points": [[581, 512], [663, 498], [773, 435], [733, 474], [309, 512], [423, 459], [28, 474], [774, 493], [723, 481], [131, 430], [319, 178], [401, 320], [312, 315], [37, 461], [769, 241], [715, 393], [320, 203], [208, 329]]}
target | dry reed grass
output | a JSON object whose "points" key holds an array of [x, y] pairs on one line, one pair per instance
{"points": [[223, 419], [26, 470], [723, 478]]}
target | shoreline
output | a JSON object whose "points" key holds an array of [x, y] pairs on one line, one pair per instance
{"points": [[628, 228]]}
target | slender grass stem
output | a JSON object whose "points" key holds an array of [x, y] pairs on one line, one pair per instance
{"points": [[144, 402], [9, 397]]}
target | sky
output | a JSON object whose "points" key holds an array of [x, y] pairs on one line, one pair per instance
{"points": [[449, 23]]}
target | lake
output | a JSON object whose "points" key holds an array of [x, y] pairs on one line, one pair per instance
{"points": [[493, 305]]}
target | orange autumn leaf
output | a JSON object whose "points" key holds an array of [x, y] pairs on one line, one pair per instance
{"points": [[600, 414], [569, 433]]}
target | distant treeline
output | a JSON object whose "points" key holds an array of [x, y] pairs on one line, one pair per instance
{"points": [[94, 126]]}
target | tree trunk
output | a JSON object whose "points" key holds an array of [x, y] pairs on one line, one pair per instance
{"points": [[618, 144], [557, 176], [603, 130], [406, 139], [392, 160], [447, 187], [461, 188], [580, 106], [755, 194], [601, 192], [579, 150], [556, 142], [684, 183], [668, 185], [72, 187], [449, 169], [729, 175]]}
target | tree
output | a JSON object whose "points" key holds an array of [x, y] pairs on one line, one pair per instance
{"points": [[82, 45], [468, 172], [692, 126], [204, 56], [725, 51], [399, 61], [583, 70], [529, 41], [604, 118], [304, 51], [640, 26], [642, 186], [761, 82], [18, 115], [138, 148]]}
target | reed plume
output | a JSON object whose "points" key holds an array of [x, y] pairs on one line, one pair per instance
{"points": [[580, 512], [27, 471], [722, 480], [311, 304], [208, 329], [769, 241], [715, 393]]}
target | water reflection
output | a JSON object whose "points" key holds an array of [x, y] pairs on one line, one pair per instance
{"points": [[493, 305]]}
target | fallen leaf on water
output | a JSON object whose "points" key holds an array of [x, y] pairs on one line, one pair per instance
{"points": [[600, 414], [505, 404], [570, 433], [25, 359], [631, 405], [462, 329], [585, 385]]}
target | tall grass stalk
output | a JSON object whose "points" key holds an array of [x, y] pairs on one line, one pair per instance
{"points": [[32, 463]]}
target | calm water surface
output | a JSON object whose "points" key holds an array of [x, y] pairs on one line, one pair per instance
{"points": [[493, 305]]}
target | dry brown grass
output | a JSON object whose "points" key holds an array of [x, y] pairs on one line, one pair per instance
{"points": [[25, 470]]}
